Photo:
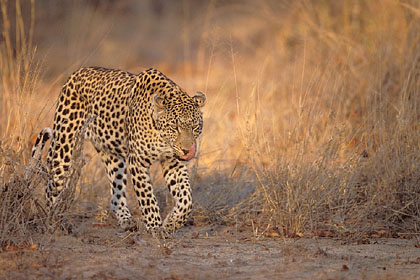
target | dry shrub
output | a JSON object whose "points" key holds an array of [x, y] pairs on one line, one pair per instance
{"points": [[19, 210], [22, 210]]}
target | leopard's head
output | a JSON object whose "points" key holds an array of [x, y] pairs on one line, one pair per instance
{"points": [[179, 120]]}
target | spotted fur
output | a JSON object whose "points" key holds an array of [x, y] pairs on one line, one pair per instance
{"points": [[136, 120]]}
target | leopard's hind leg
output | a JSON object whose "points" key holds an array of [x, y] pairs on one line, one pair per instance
{"points": [[68, 121]]}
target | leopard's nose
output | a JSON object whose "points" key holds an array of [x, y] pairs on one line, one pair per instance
{"points": [[185, 151]]}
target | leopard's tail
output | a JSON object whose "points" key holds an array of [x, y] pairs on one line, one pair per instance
{"points": [[35, 166], [45, 135]]}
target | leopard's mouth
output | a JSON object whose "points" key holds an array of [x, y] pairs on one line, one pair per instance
{"points": [[185, 155]]}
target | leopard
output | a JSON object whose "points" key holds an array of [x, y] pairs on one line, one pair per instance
{"points": [[133, 121]]}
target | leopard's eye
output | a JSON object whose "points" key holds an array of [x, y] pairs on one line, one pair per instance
{"points": [[197, 124], [174, 126]]}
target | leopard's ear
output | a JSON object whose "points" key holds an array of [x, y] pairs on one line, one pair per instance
{"points": [[200, 98], [158, 106]]}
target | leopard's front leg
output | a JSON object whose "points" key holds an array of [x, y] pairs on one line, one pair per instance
{"points": [[177, 180], [144, 193]]}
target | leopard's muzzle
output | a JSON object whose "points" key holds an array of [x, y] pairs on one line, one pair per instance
{"points": [[184, 146]]}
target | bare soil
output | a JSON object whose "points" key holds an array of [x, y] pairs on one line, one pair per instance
{"points": [[102, 251]]}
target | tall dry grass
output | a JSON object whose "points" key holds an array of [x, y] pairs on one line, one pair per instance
{"points": [[324, 100], [313, 106], [19, 71], [19, 208]]}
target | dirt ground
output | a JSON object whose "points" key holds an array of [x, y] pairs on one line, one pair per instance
{"points": [[102, 251]]}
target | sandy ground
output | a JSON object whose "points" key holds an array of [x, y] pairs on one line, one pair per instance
{"points": [[102, 251]]}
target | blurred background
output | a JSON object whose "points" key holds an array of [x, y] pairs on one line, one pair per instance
{"points": [[313, 106]]}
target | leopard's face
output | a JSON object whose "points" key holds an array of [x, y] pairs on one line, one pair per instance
{"points": [[180, 122]]}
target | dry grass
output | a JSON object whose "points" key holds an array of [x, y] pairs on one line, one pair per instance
{"points": [[22, 210], [312, 120], [18, 205]]}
